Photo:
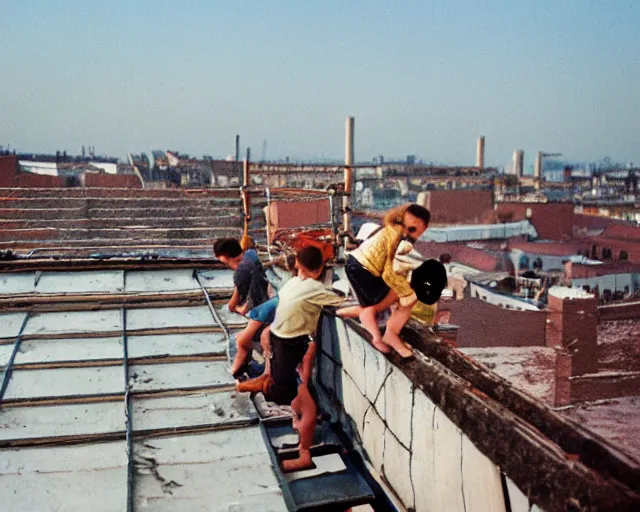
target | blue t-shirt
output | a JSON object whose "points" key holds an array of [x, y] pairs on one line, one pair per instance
{"points": [[265, 312], [250, 281], [252, 254]]}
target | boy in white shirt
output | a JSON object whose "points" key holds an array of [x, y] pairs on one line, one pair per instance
{"points": [[291, 334]]}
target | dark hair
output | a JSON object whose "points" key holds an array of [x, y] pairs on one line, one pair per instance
{"points": [[228, 247], [311, 258], [419, 211]]}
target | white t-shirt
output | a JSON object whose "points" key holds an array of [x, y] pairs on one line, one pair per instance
{"points": [[299, 306]]}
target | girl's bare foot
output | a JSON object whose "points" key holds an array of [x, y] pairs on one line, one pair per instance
{"points": [[394, 341], [381, 346]]}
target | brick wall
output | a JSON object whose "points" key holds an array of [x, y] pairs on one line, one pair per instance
{"points": [[8, 169], [459, 206], [573, 324], [553, 221], [103, 180], [11, 176], [461, 253], [485, 325]]}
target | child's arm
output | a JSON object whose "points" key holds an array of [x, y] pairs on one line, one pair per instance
{"points": [[306, 366], [242, 310], [235, 299], [327, 298]]}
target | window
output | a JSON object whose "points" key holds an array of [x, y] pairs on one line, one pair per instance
{"points": [[606, 253], [624, 255]]}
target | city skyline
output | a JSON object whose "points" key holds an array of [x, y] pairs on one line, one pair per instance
{"points": [[423, 78]]}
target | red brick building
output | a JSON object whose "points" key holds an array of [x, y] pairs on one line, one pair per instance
{"points": [[553, 221]]}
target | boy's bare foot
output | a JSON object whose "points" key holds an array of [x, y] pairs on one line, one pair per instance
{"points": [[302, 462], [381, 346], [394, 341]]}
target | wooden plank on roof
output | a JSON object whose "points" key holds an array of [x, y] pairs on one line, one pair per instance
{"points": [[65, 382], [34, 423], [104, 281], [87, 477], [192, 375], [219, 408], [226, 470]]}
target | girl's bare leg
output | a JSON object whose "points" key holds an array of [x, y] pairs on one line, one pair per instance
{"points": [[399, 317], [369, 320]]}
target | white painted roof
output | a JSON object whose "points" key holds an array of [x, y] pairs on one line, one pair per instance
{"points": [[197, 442]]}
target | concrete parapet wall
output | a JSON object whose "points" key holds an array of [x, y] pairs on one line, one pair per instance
{"points": [[409, 442], [442, 433]]}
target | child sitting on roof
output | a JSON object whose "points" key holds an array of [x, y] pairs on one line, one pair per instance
{"points": [[259, 317], [292, 346], [250, 283]]}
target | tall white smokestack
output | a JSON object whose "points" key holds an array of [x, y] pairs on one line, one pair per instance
{"points": [[480, 152], [518, 162], [348, 173]]}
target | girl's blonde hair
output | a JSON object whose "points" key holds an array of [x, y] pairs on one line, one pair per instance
{"points": [[395, 216]]}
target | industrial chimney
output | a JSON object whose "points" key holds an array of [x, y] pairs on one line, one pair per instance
{"points": [[480, 153], [518, 162]]}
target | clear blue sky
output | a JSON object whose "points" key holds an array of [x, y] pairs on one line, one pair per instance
{"points": [[421, 77]]}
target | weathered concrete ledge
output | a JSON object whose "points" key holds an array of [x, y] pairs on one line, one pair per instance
{"points": [[447, 434]]}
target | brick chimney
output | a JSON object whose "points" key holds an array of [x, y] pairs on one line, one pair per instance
{"points": [[572, 324]]}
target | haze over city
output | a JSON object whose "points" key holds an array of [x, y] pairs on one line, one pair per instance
{"points": [[420, 77]]}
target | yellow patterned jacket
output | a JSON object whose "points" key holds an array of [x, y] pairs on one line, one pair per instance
{"points": [[376, 255]]}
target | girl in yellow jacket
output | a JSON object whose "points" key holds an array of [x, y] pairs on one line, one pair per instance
{"points": [[370, 271]]}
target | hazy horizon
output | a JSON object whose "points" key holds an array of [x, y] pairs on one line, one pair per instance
{"points": [[424, 78]]}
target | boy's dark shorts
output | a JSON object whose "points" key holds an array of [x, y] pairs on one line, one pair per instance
{"points": [[287, 353], [369, 289]]}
